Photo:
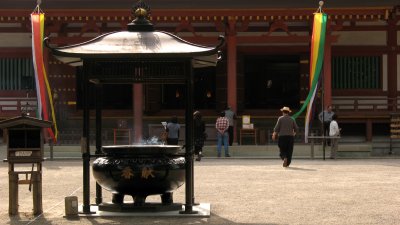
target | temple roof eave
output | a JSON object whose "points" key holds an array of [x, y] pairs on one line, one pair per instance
{"points": [[24, 120]]}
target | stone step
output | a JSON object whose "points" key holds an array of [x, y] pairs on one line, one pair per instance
{"points": [[299, 151], [359, 150], [247, 151], [383, 148]]}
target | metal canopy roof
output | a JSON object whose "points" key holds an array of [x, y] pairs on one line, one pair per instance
{"points": [[138, 43]]}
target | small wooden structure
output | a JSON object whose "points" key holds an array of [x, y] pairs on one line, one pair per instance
{"points": [[24, 138], [394, 129]]}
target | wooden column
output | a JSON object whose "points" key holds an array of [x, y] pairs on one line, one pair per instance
{"points": [[137, 112], [99, 140], [88, 67], [392, 64], [231, 70], [327, 73], [36, 178], [13, 193], [231, 81]]}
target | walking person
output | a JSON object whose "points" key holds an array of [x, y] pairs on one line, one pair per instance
{"points": [[222, 125], [199, 134], [285, 128], [173, 131], [231, 115], [334, 131], [326, 117]]}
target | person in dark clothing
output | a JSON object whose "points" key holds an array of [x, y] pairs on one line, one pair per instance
{"points": [[173, 131], [199, 134], [231, 115], [285, 128], [326, 117]]}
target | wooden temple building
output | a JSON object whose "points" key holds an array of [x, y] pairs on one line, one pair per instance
{"points": [[264, 64]]}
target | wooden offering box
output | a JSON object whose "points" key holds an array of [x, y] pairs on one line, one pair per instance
{"points": [[24, 145], [24, 138]]}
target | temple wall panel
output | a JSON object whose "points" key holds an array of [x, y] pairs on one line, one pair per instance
{"points": [[15, 40], [370, 38]]}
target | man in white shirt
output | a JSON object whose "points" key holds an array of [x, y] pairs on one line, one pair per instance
{"points": [[334, 131]]}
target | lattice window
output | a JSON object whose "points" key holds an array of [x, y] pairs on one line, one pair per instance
{"points": [[356, 72], [16, 74]]}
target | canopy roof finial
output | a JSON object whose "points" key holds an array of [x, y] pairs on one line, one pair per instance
{"points": [[141, 12]]}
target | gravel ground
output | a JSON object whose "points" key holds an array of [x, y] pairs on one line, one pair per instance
{"points": [[242, 191]]}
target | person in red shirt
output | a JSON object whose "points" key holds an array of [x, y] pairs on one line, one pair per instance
{"points": [[222, 125]]}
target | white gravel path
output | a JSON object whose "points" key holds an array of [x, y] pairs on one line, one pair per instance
{"points": [[243, 191]]}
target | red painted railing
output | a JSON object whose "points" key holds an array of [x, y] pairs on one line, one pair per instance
{"points": [[14, 106], [361, 105]]}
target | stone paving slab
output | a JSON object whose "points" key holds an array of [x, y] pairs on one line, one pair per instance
{"points": [[241, 192], [201, 210]]}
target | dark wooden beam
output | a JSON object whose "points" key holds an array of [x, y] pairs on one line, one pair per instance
{"points": [[200, 15], [184, 4]]}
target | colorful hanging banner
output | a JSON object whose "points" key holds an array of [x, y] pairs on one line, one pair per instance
{"points": [[316, 62], [43, 90]]}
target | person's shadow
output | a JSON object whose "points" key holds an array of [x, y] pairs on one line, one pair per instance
{"points": [[300, 169]]}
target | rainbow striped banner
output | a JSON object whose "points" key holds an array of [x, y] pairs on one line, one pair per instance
{"points": [[316, 62], [43, 90]]}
